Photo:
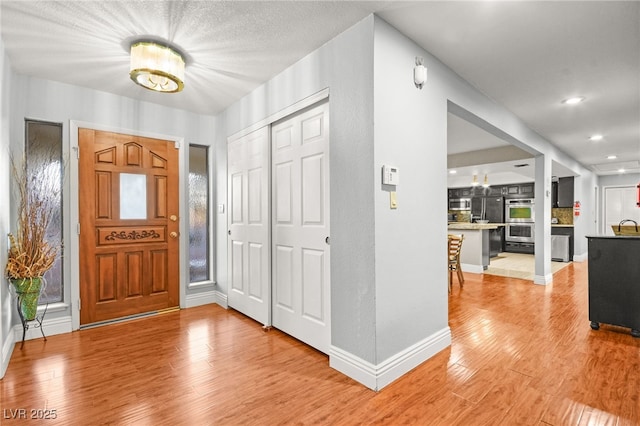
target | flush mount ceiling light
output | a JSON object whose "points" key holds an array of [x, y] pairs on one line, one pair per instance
{"points": [[157, 67], [595, 138], [574, 100], [612, 157], [453, 172]]}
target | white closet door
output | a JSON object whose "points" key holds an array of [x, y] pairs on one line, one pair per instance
{"points": [[300, 230], [620, 204], [249, 225]]}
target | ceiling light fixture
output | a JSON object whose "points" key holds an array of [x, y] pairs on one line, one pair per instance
{"points": [[157, 67], [596, 138], [612, 157], [419, 73], [453, 172], [621, 170], [475, 181], [574, 100], [485, 184]]}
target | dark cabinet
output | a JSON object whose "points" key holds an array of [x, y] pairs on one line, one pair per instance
{"points": [[614, 278], [521, 190], [565, 192], [562, 192]]}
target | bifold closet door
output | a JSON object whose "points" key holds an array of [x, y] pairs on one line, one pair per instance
{"points": [[249, 225], [300, 226]]}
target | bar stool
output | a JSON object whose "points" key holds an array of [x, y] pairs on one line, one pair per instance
{"points": [[454, 246]]}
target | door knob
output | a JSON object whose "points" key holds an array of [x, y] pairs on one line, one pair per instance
{"points": [[173, 218], [174, 234]]}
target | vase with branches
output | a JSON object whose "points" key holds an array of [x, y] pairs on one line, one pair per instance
{"points": [[37, 189]]}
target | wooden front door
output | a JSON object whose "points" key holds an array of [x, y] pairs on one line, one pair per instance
{"points": [[129, 226]]}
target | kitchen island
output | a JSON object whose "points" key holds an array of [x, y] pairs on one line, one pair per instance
{"points": [[614, 281], [474, 256]]}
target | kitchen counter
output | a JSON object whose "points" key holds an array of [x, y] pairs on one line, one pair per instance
{"points": [[561, 225], [476, 226], [474, 256]]}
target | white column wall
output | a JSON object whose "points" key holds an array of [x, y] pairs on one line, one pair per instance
{"points": [[6, 336]]}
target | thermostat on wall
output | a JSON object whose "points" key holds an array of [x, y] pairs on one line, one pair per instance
{"points": [[390, 175]]}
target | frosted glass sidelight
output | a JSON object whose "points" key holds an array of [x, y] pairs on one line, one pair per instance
{"points": [[43, 152], [198, 214], [133, 196]]}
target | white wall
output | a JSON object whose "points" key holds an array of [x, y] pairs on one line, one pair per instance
{"points": [[410, 133], [6, 337]]}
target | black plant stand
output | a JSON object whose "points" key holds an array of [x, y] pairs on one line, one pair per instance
{"points": [[25, 323]]}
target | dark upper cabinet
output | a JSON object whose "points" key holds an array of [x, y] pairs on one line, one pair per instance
{"points": [[565, 192], [466, 192], [526, 189], [521, 190]]}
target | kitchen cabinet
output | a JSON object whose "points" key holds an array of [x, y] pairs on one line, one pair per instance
{"points": [[521, 190], [564, 230], [614, 274], [562, 193], [565, 192]]}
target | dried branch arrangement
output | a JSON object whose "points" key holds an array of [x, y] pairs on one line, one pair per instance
{"points": [[37, 189]]}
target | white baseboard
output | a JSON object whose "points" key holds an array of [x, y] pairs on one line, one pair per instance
{"points": [[378, 376], [543, 279], [199, 299], [51, 327], [206, 298], [7, 350], [221, 299], [580, 257], [474, 269]]}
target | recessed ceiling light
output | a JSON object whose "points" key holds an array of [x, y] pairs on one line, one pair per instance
{"points": [[574, 100], [595, 138], [453, 172], [611, 157]]}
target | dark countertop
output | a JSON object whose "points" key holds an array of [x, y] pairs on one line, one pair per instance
{"points": [[615, 237]]}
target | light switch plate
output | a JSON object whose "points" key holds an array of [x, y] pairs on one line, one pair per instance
{"points": [[393, 201]]}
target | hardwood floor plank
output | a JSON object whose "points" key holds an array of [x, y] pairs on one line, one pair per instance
{"points": [[521, 354]]}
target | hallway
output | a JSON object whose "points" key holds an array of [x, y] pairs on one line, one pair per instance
{"points": [[521, 354]]}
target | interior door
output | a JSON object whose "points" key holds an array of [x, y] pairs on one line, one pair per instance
{"points": [[620, 204], [300, 234], [128, 225], [249, 225]]}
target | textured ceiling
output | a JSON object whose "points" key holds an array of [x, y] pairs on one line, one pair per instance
{"points": [[527, 56]]}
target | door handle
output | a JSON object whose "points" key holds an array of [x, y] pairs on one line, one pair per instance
{"points": [[327, 241], [174, 234], [173, 218]]}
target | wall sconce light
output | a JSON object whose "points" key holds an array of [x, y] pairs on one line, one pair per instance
{"points": [[485, 184], [157, 67], [475, 181], [419, 73]]}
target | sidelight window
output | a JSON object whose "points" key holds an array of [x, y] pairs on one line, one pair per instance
{"points": [[199, 250], [43, 153]]}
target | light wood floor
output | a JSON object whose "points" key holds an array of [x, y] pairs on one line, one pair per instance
{"points": [[521, 354]]}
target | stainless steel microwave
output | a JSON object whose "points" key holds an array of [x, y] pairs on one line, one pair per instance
{"points": [[460, 204]]}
